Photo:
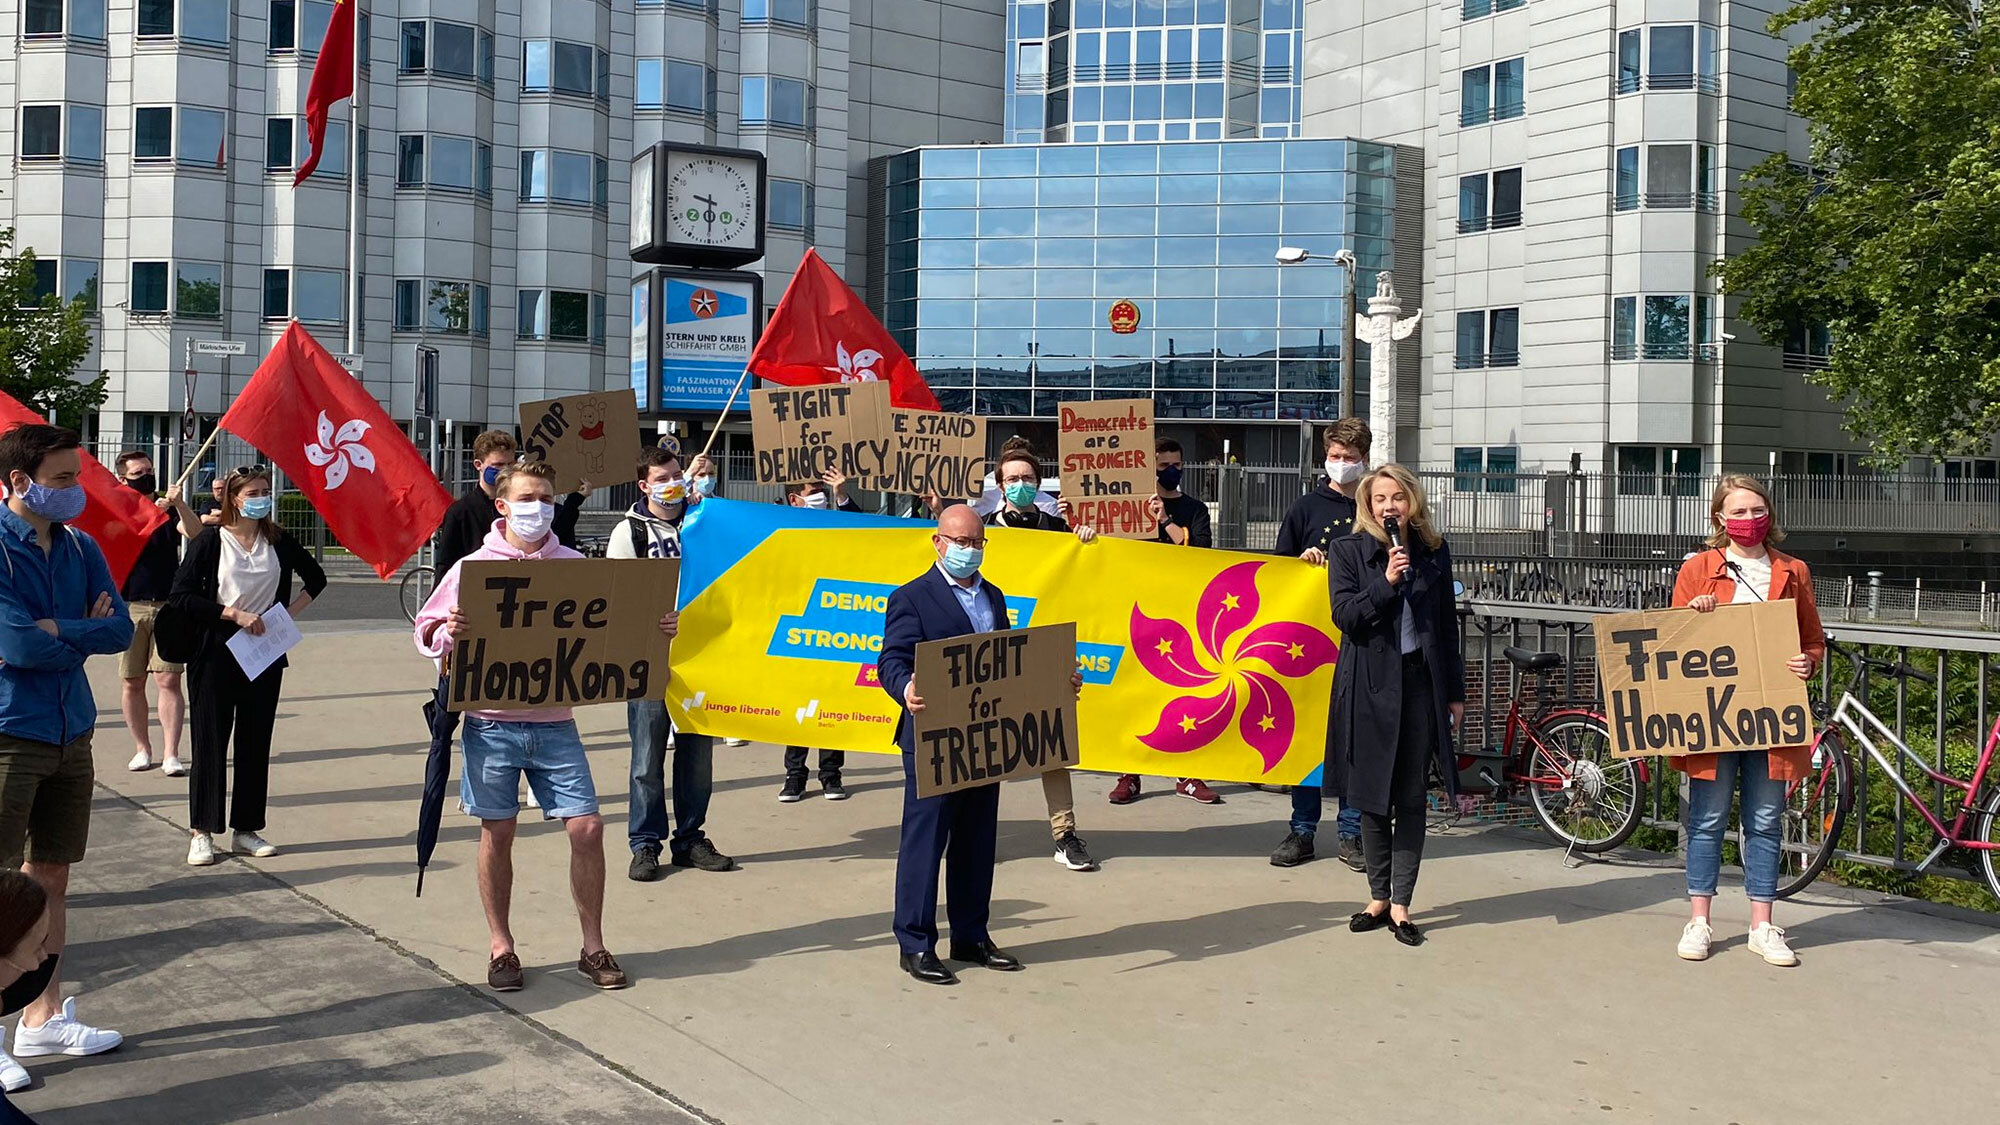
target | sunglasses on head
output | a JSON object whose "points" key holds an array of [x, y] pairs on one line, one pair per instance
{"points": [[258, 470]]}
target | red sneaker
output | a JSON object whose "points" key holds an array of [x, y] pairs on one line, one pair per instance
{"points": [[1127, 789], [1195, 789]]}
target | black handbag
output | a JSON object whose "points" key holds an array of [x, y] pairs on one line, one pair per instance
{"points": [[176, 634]]}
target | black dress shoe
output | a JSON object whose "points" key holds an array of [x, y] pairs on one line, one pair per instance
{"points": [[1408, 933], [927, 968], [987, 954], [1363, 922]]}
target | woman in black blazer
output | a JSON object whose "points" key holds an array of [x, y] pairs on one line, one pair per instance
{"points": [[1399, 688], [233, 574]]}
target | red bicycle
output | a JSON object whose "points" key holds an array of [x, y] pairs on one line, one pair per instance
{"points": [[1559, 753]]}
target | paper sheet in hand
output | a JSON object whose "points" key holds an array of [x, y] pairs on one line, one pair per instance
{"points": [[255, 654]]}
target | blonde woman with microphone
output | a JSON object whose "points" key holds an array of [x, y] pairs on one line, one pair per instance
{"points": [[1399, 689]]}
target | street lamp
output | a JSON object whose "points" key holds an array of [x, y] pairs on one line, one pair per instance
{"points": [[1299, 255]]}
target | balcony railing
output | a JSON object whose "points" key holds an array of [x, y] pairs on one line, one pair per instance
{"points": [[1499, 220], [1805, 361], [1479, 9], [1630, 83], [1705, 353]]}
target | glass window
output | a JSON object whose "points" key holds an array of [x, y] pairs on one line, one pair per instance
{"points": [[687, 86], [149, 287], [1509, 89], [1705, 61], [1670, 62], [452, 50], [44, 272], [86, 21], [791, 205], [205, 21], [451, 162], [1669, 176], [409, 302], [1467, 462], [80, 282], [316, 295], [572, 72], [1637, 466], [411, 60], [1506, 198], [449, 309], [1504, 338], [755, 91], [277, 294], [1704, 177], [41, 132], [198, 289], [156, 18], [1475, 96], [410, 160], [647, 75], [1501, 464], [1666, 328], [201, 137], [571, 177], [535, 66], [277, 146], [152, 133], [797, 13], [1472, 203], [1471, 350], [1624, 327], [530, 321], [283, 32], [482, 313], [314, 17], [1625, 179], [486, 58], [569, 315], [1628, 61]]}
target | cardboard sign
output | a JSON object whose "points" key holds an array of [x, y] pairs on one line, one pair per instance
{"points": [[1106, 450], [801, 432], [561, 633], [997, 706], [934, 452], [593, 437], [1680, 682]]}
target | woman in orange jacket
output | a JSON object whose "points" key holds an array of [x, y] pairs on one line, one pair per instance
{"points": [[1741, 565]]}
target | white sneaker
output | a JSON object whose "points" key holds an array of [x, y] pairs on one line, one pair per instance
{"points": [[1695, 937], [249, 843], [13, 1076], [1768, 942], [140, 763], [736, 742], [201, 850], [172, 767], [64, 1035]]}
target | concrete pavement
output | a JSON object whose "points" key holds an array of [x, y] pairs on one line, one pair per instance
{"points": [[1188, 981]]}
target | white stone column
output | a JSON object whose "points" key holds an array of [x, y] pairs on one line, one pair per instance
{"points": [[1381, 328]]}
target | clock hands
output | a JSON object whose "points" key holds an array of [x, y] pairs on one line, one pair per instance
{"points": [[709, 214]]}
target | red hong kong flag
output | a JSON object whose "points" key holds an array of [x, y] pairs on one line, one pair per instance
{"points": [[332, 80], [822, 333], [120, 519], [330, 436]]}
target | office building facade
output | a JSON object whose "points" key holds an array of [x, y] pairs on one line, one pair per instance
{"points": [[154, 144]]}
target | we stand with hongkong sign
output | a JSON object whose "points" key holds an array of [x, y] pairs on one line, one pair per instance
{"points": [[1680, 682]]}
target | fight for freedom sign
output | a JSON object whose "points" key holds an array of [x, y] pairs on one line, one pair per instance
{"points": [[560, 633], [1680, 682], [997, 706]]}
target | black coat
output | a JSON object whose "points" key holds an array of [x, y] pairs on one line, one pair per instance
{"points": [[1362, 733], [198, 584]]}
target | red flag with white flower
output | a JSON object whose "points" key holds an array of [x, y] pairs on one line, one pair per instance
{"points": [[822, 333], [118, 518], [332, 439]]}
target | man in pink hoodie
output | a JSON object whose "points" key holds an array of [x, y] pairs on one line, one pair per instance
{"points": [[501, 746]]}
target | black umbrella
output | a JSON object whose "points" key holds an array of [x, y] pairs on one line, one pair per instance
{"points": [[437, 771]]}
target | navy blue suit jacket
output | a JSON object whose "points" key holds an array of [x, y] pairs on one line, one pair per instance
{"points": [[923, 609]]}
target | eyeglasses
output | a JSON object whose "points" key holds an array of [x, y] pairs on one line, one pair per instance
{"points": [[965, 541], [259, 470]]}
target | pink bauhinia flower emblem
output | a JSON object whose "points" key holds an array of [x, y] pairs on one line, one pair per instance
{"points": [[1235, 675]]}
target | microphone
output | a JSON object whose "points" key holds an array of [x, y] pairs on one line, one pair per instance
{"points": [[1393, 527]]}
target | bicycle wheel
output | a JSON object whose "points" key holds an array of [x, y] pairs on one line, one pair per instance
{"points": [[416, 590], [1584, 797], [1815, 811], [1989, 832]]}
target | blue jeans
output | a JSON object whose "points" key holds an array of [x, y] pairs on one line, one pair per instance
{"points": [[1307, 806], [694, 779], [1708, 816], [498, 753]]}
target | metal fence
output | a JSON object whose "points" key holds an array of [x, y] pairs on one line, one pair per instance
{"points": [[1945, 723]]}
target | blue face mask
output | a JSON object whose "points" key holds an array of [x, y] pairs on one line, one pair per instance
{"points": [[1021, 494], [57, 505], [703, 486], [963, 562], [257, 507], [490, 475]]}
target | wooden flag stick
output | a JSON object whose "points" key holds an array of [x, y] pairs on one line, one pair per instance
{"points": [[726, 407], [196, 459]]}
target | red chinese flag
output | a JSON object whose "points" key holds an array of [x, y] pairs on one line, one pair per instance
{"points": [[822, 333], [120, 519], [314, 421], [332, 80]]}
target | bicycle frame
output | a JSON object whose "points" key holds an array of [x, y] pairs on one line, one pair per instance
{"points": [[1857, 720], [1520, 765]]}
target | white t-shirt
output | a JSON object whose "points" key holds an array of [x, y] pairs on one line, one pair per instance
{"points": [[247, 579], [1753, 579]]}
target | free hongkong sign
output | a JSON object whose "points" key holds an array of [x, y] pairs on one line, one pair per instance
{"points": [[1680, 682]]}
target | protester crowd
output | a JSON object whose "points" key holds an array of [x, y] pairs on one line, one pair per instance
{"points": [[202, 578]]}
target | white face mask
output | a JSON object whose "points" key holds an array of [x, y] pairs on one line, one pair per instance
{"points": [[529, 520], [1344, 472], [815, 500]]}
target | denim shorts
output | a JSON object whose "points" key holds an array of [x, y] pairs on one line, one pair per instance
{"points": [[551, 754]]}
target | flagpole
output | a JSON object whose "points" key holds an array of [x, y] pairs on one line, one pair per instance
{"points": [[356, 162], [198, 455], [716, 431]]}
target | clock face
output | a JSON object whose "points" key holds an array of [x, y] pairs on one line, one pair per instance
{"points": [[642, 200], [712, 202]]}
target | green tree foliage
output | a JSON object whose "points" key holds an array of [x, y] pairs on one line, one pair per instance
{"points": [[42, 340], [1892, 237]]}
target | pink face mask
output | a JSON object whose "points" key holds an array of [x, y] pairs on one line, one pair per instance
{"points": [[1747, 533]]}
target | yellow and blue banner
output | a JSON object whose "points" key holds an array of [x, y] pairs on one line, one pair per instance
{"points": [[1196, 663]]}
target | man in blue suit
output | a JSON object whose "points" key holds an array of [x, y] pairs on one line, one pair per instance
{"points": [[949, 600]]}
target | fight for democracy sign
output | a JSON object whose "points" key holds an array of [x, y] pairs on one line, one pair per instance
{"points": [[1680, 682]]}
